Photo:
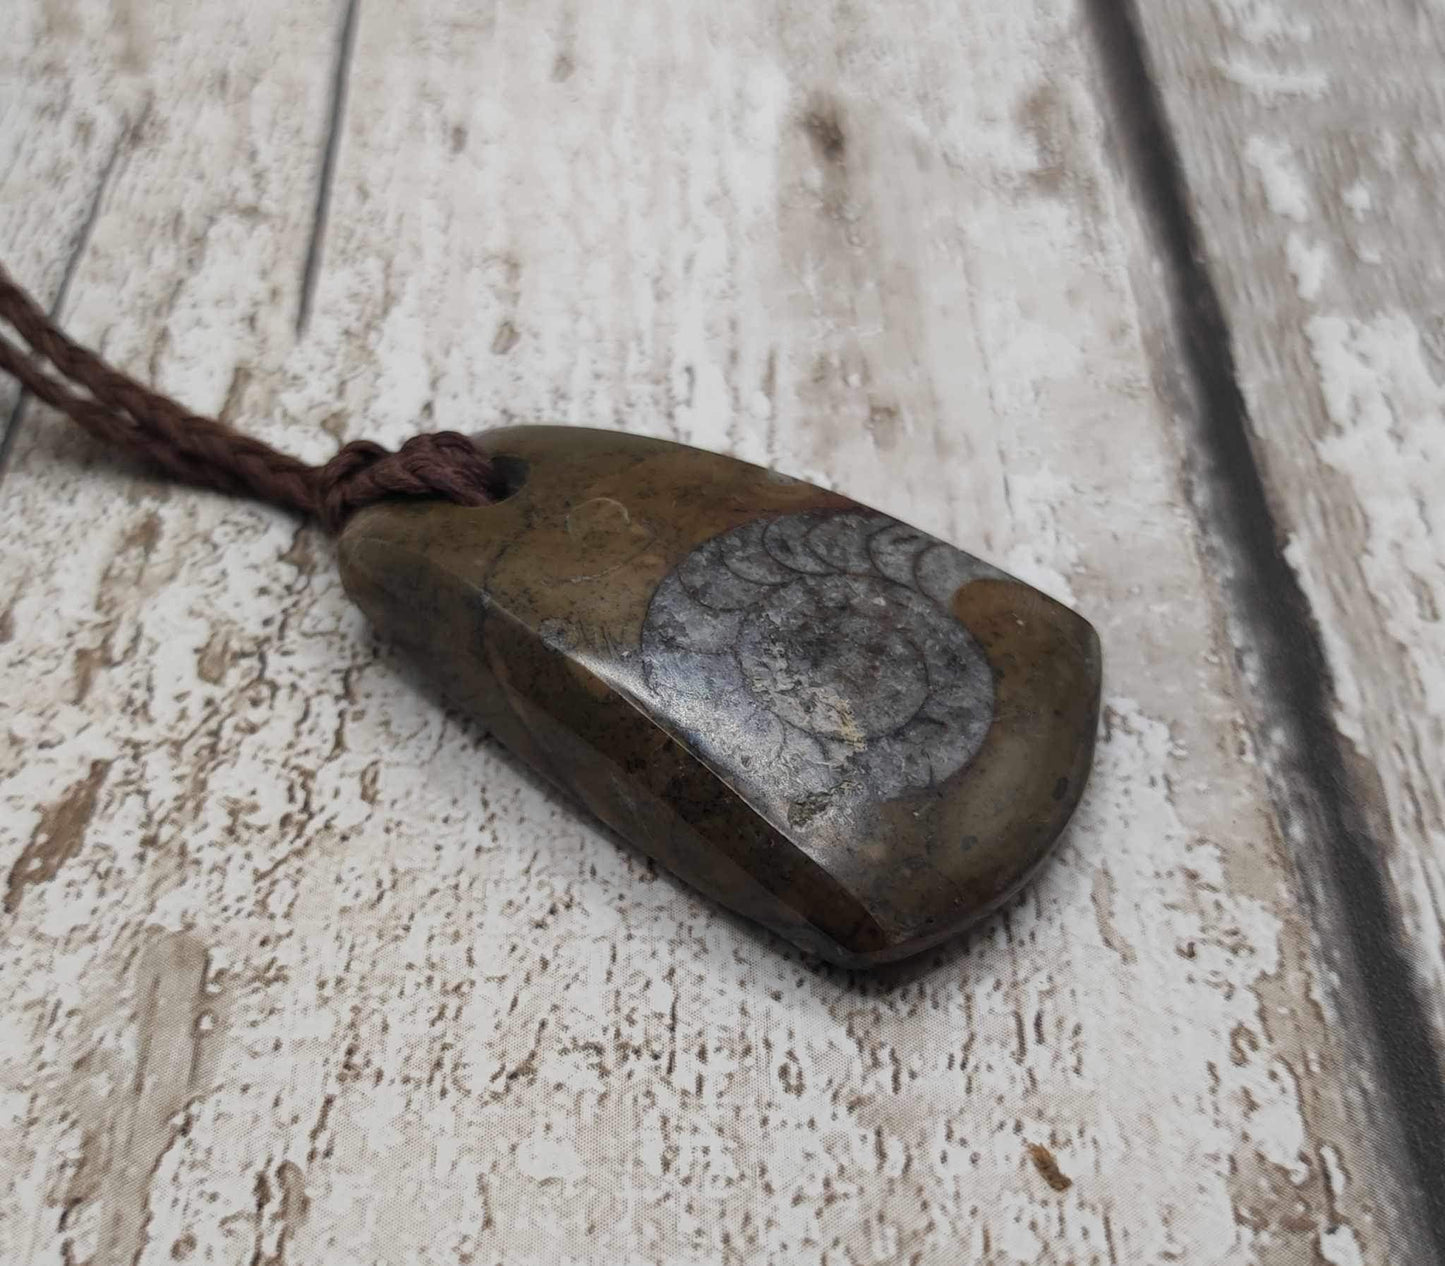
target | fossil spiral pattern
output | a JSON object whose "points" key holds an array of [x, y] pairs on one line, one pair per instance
{"points": [[819, 646]]}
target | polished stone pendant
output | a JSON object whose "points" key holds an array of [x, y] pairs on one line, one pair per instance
{"points": [[831, 722]]}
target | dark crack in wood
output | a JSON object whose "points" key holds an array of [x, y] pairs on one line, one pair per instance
{"points": [[315, 244]]}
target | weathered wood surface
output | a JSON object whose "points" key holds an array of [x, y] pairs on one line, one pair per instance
{"points": [[299, 968], [1313, 137]]}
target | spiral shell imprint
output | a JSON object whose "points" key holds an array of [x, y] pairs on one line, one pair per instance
{"points": [[820, 647]]}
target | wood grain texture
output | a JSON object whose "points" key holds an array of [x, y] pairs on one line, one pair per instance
{"points": [[302, 969], [1314, 141], [89, 104]]}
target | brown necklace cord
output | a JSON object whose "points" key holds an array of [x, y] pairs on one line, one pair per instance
{"points": [[197, 450]]}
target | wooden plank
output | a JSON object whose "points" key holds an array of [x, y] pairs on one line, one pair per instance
{"points": [[1314, 145], [68, 106], [305, 970], [107, 1003]]}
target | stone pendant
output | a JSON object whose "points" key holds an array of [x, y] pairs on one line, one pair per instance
{"points": [[833, 723]]}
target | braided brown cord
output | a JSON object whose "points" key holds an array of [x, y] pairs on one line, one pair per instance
{"points": [[199, 450]]}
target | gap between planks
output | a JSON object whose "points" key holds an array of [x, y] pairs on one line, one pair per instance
{"points": [[1281, 653], [341, 76], [62, 291]]}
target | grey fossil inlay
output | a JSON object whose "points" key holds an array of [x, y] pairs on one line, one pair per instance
{"points": [[820, 647]]}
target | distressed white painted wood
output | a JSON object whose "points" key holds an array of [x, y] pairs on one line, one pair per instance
{"points": [[70, 92], [1314, 139], [301, 969]]}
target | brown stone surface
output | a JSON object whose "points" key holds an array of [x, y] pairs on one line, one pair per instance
{"points": [[833, 723]]}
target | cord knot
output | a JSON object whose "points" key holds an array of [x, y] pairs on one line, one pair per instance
{"points": [[443, 464]]}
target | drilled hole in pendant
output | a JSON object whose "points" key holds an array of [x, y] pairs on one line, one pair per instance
{"points": [[509, 476]]}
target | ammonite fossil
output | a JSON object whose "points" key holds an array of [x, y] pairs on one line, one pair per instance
{"points": [[828, 653], [837, 725]]}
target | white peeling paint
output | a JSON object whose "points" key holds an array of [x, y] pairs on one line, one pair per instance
{"points": [[1389, 442], [1334, 1171], [1272, 84], [1340, 1247], [1285, 190], [1309, 263], [1265, 21], [1359, 199]]}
